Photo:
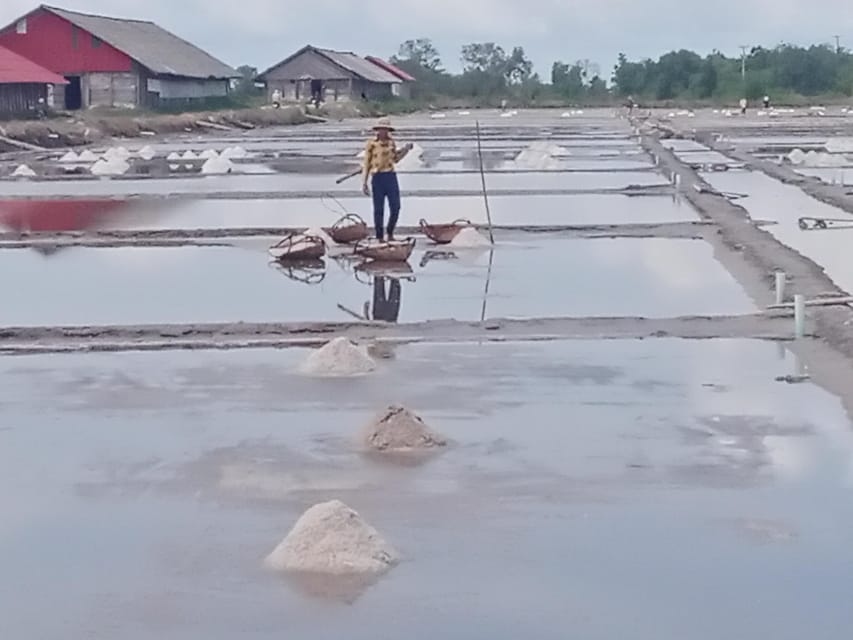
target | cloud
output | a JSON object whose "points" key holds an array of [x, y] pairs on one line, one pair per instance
{"points": [[262, 32]]}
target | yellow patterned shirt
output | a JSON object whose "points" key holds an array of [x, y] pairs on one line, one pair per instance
{"points": [[379, 157]]}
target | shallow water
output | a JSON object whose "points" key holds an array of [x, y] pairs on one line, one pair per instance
{"points": [[530, 278], [769, 199], [156, 483]]}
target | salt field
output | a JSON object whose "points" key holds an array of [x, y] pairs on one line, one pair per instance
{"points": [[195, 440]]}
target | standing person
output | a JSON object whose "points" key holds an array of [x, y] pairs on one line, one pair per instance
{"points": [[743, 106], [380, 157], [766, 102]]}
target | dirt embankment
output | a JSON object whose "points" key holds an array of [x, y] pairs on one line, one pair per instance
{"points": [[91, 127]]}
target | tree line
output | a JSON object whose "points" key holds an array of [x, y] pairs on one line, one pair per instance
{"points": [[490, 73]]}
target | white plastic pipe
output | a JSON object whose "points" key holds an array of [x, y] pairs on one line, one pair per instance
{"points": [[781, 283], [799, 316]]}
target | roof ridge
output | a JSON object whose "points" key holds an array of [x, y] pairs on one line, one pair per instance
{"points": [[53, 9]]}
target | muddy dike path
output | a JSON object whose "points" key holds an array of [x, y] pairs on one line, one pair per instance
{"points": [[87, 128]]}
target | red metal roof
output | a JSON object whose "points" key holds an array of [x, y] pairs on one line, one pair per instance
{"points": [[390, 68], [16, 69]]}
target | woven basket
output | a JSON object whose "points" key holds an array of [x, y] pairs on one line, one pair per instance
{"points": [[395, 251], [349, 229], [444, 233], [298, 246]]}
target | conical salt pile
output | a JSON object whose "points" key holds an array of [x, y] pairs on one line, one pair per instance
{"points": [[340, 357], [797, 156], [470, 238], [23, 171], [147, 153], [207, 154], [69, 157], [173, 156], [114, 167], [217, 166], [88, 156], [116, 153], [332, 539], [189, 155], [235, 153], [398, 430]]}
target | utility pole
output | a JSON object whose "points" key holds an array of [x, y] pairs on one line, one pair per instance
{"points": [[743, 49], [837, 44]]}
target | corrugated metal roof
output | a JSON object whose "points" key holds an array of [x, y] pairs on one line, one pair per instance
{"points": [[390, 68], [156, 49], [16, 69], [359, 66]]}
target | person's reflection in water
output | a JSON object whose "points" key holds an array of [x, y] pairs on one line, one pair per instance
{"points": [[386, 308]]}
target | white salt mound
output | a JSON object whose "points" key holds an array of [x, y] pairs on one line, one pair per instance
{"points": [[797, 156], [235, 153], [88, 156], [207, 154], [398, 430], [23, 171], [116, 153], [319, 233], [332, 539], [70, 157], [217, 166], [114, 167], [147, 153], [470, 238], [189, 155], [173, 156], [174, 167], [339, 358]]}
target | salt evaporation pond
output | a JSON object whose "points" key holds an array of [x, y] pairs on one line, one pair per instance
{"points": [[530, 278], [615, 510]]}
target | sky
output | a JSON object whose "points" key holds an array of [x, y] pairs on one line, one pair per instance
{"points": [[263, 32]]}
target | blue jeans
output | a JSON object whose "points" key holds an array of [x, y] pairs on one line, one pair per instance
{"points": [[384, 186]]}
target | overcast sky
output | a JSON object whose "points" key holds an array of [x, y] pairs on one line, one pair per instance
{"points": [[262, 32]]}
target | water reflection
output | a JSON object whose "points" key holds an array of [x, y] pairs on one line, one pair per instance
{"points": [[59, 215], [310, 272]]}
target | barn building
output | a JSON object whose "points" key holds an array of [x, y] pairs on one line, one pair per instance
{"points": [[331, 76], [24, 85], [111, 62]]}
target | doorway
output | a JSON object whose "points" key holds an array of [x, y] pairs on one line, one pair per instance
{"points": [[317, 91], [73, 93]]}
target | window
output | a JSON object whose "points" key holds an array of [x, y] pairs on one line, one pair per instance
{"points": [[96, 42], [74, 36], [21, 27]]}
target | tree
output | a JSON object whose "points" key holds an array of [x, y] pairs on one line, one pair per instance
{"points": [[518, 68], [598, 88], [420, 52], [630, 78], [246, 82], [485, 57], [568, 80]]}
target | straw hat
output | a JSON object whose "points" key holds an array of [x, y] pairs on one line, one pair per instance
{"points": [[383, 123]]}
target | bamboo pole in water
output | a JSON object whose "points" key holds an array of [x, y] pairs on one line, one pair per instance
{"points": [[483, 181]]}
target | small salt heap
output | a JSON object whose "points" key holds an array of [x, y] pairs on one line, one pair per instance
{"points": [[116, 153], [235, 153], [339, 358], [173, 156], [470, 238], [208, 154], [413, 159], [88, 156], [217, 166], [797, 156], [334, 540], [70, 158], [541, 155], [398, 430], [189, 155], [23, 171], [438, 116], [113, 167], [147, 153]]}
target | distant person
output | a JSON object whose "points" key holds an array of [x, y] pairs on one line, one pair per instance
{"points": [[743, 105], [276, 99], [380, 177], [630, 105], [503, 105], [766, 102]]}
